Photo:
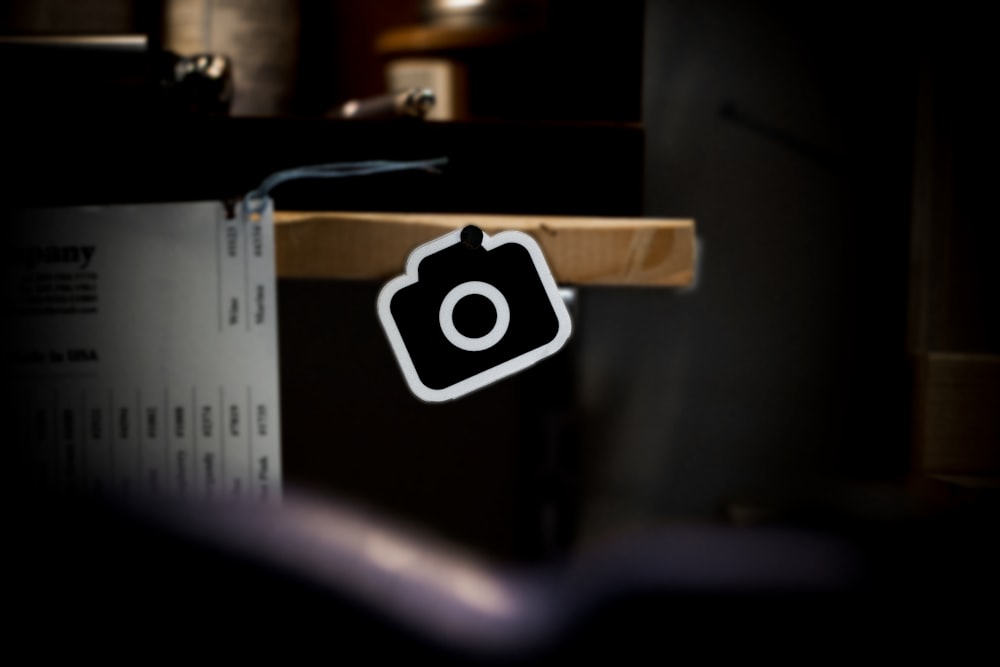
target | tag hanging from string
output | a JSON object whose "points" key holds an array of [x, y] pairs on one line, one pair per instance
{"points": [[471, 309]]}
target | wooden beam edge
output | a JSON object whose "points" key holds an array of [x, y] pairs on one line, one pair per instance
{"points": [[580, 251]]}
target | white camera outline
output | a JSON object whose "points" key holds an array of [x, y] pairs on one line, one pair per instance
{"points": [[446, 316], [490, 375]]}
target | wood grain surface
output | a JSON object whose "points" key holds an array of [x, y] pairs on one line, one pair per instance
{"points": [[580, 251]]}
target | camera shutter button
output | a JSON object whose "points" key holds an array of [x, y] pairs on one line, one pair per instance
{"points": [[447, 321]]}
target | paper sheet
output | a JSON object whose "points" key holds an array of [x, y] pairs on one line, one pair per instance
{"points": [[145, 350]]}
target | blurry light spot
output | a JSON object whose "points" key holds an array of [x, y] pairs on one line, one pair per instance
{"points": [[217, 68], [389, 554], [478, 591], [462, 4], [350, 108]]}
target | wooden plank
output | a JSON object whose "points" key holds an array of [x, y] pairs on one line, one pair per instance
{"points": [[423, 39], [581, 251], [958, 414]]}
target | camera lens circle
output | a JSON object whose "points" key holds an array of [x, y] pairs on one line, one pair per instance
{"points": [[447, 312]]}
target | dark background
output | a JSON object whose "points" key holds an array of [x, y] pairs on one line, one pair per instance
{"points": [[810, 142], [786, 131], [789, 131]]}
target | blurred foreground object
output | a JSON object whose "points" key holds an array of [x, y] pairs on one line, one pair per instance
{"points": [[321, 570], [325, 564]]}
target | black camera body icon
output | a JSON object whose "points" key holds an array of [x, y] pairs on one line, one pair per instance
{"points": [[472, 309]]}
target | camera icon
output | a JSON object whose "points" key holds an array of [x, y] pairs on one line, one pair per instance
{"points": [[472, 309]]}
